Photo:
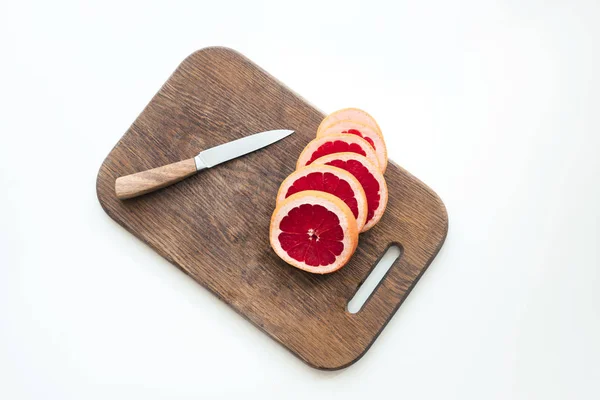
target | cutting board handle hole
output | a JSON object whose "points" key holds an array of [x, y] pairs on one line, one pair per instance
{"points": [[374, 279]]}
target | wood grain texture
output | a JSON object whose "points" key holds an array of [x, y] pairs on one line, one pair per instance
{"points": [[215, 225], [129, 186]]}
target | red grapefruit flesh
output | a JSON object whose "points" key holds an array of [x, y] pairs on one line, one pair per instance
{"points": [[370, 178], [335, 181], [330, 144], [313, 231], [353, 128]]}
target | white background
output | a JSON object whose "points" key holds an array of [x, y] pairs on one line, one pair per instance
{"points": [[495, 105]]}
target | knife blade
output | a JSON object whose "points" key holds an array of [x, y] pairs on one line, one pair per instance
{"points": [[148, 181], [234, 149]]}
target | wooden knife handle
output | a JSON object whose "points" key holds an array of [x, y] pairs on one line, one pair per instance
{"points": [[148, 181]]}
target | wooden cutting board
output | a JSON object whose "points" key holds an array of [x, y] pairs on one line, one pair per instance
{"points": [[214, 226]]}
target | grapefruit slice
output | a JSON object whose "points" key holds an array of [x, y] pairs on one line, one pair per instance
{"points": [[314, 231], [335, 181], [353, 114], [366, 132], [370, 178], [340, 143]]}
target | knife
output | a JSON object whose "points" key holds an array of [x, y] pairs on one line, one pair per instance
{"points": [[148, 181]]}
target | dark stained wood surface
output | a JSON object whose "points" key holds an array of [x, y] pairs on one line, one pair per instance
{"points": [[215, 225]]}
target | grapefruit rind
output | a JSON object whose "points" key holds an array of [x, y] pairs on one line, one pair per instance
{"points": [[383, 191], [366, 131], [316, 144], [346, 221], [360, 196], [353, 114]]}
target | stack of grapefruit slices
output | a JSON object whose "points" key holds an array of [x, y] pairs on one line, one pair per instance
{"points": [[337, 191]]}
